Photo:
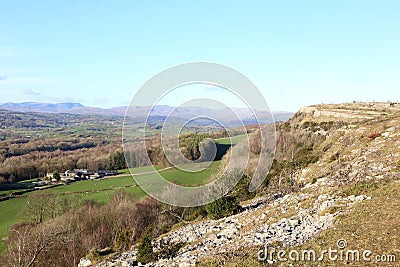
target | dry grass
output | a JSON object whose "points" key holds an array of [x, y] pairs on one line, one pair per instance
{"points": [[370, 225]]}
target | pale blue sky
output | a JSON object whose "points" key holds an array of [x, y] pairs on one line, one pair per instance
{"points": [[297, 52]]}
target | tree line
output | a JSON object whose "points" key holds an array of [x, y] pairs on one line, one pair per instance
{"points": [[21, 161]]}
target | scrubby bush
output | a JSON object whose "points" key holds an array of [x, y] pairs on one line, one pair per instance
{"points": [[241, 189], [225, 206], [145, 250], [123, 240], [169, 249], [305, 156]]}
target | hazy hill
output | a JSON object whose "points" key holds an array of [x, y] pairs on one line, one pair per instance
{"points": [[41, 107], [225, 116]]}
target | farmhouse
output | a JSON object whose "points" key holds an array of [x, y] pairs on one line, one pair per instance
{"points": [[88, 174], [78, 174]]}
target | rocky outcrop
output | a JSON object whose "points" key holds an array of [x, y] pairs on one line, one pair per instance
{"points": [[255, 226], [84, 262], [351, 111]]}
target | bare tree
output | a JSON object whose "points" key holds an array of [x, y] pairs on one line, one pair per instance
{"points": [[36, 208], [27, 242]]}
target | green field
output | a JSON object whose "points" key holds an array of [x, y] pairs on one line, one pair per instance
{"points": [[139, 169], [101, 190], [178, 176], [231, 140], [9, 210]]}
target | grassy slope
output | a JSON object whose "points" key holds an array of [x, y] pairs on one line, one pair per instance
{"points": [[9, 210], [233, 140], [178, 176], [370, 225]]}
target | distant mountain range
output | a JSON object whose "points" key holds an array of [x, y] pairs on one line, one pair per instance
{"points": [[140, 112], [41, 107]]}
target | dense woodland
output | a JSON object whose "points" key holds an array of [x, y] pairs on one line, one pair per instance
{"points": [[25, 159], [33, 144]]}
